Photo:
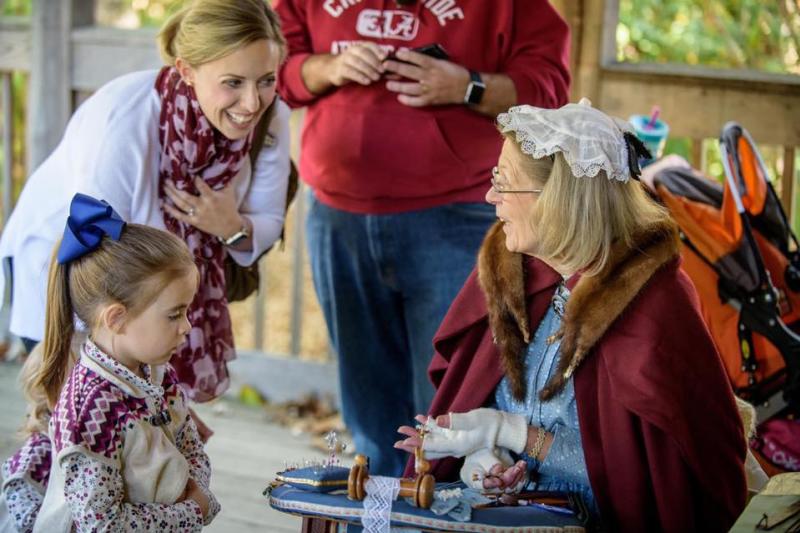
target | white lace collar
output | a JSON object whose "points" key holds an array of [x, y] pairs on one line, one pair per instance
{"points": [[148, 385]]}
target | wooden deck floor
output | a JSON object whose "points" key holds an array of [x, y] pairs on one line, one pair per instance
{"points": [[245, 453]]}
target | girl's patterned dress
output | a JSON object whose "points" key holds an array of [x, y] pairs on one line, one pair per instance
{"points": [[124, 449], [25, 477]]}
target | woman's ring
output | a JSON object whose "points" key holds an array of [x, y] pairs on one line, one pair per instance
{"points": [[190, 212]]}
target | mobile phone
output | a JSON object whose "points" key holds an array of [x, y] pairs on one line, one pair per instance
{"points": [[434, 50]]}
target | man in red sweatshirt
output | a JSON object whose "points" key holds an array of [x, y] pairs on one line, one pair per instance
{"points": [[397, 147]]}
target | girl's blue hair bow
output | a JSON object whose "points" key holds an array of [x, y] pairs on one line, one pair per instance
{"points": [[89, 220]]}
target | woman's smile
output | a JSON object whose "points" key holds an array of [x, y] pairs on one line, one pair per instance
{"points": [[240, 120]]}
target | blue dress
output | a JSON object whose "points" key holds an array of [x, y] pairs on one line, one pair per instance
{"points": [[564, 468]]}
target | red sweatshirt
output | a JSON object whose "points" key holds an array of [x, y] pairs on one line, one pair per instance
{"points": [[365, 152]]}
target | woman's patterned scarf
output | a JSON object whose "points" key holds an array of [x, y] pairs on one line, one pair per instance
{"points": [[191, 147]]}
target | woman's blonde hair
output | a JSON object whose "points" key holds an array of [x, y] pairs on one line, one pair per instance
{"points": [[206, 30], [577, 219], [131, 271]]}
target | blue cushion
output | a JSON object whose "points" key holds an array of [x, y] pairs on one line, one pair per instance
{"points": [[316, 478], [336, 507]]}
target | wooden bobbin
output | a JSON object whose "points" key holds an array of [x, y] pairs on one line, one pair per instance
{"points": [[419, 489], [359, 474]]}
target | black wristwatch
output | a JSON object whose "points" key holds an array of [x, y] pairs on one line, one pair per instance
{"points": [[475, 89]]}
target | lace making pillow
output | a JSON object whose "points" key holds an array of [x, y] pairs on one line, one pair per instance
{"points": [[316, 478]]}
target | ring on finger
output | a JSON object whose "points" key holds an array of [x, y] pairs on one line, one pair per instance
{"points": [[190, 212]]}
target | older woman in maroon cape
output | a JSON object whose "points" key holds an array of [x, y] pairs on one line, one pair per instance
{"points": [[577, 348]]}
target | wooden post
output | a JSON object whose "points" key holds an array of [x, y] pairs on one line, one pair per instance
{"points": [[587, 76], [298, 248], [696, 154], [572, 12], [49, 93], [788, 183], [7, 107], [259, 309], [608, 32]]}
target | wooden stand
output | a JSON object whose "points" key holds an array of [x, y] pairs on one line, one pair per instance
{"points": [[419, 489]]}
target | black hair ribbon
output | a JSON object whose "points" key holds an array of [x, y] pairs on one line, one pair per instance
{"points": [[636, 150]]}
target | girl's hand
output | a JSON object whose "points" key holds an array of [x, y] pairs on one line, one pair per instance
{"points": [[214, 212], [193, 492]]}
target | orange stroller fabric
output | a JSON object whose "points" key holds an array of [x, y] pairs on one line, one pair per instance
{"points": [[716, 245]]}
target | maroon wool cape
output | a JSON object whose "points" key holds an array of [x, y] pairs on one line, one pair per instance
{"points": [[661, 435]]}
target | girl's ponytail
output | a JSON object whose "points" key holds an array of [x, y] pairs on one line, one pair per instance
{"points": [[38, 414], [59, 329]]}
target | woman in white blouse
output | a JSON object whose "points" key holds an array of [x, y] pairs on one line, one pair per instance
{"points": [[169, 148]]}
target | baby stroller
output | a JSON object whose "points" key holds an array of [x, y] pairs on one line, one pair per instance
{"points": [[740, 252]]}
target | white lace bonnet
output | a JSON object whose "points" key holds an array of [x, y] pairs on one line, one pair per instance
{"points": [[589, 139]]}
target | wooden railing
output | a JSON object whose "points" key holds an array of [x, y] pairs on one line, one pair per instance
{"points": [[14, 56], [6, 105]]}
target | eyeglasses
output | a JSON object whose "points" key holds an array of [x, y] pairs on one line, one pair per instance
{"points": [[501, 190]]}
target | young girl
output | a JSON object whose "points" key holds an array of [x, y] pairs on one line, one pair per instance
{"points": [[25, 474], [126, 454]]}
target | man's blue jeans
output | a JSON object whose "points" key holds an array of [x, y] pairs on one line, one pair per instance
{"points": [[384, 283]]}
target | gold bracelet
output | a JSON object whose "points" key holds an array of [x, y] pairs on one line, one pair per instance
{"points": [[534, 452]]}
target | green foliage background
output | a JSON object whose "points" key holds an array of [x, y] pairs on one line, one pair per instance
{"points": [[20, 8], [741, 34]]}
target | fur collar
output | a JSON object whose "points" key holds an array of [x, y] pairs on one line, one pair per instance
{"points": [[502, 278]]}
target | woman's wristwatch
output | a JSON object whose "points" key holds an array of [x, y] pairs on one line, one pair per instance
{"points": [[237, 237]]}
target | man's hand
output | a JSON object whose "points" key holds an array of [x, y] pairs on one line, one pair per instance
{"points": [[362, 62], [428, 81]]}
